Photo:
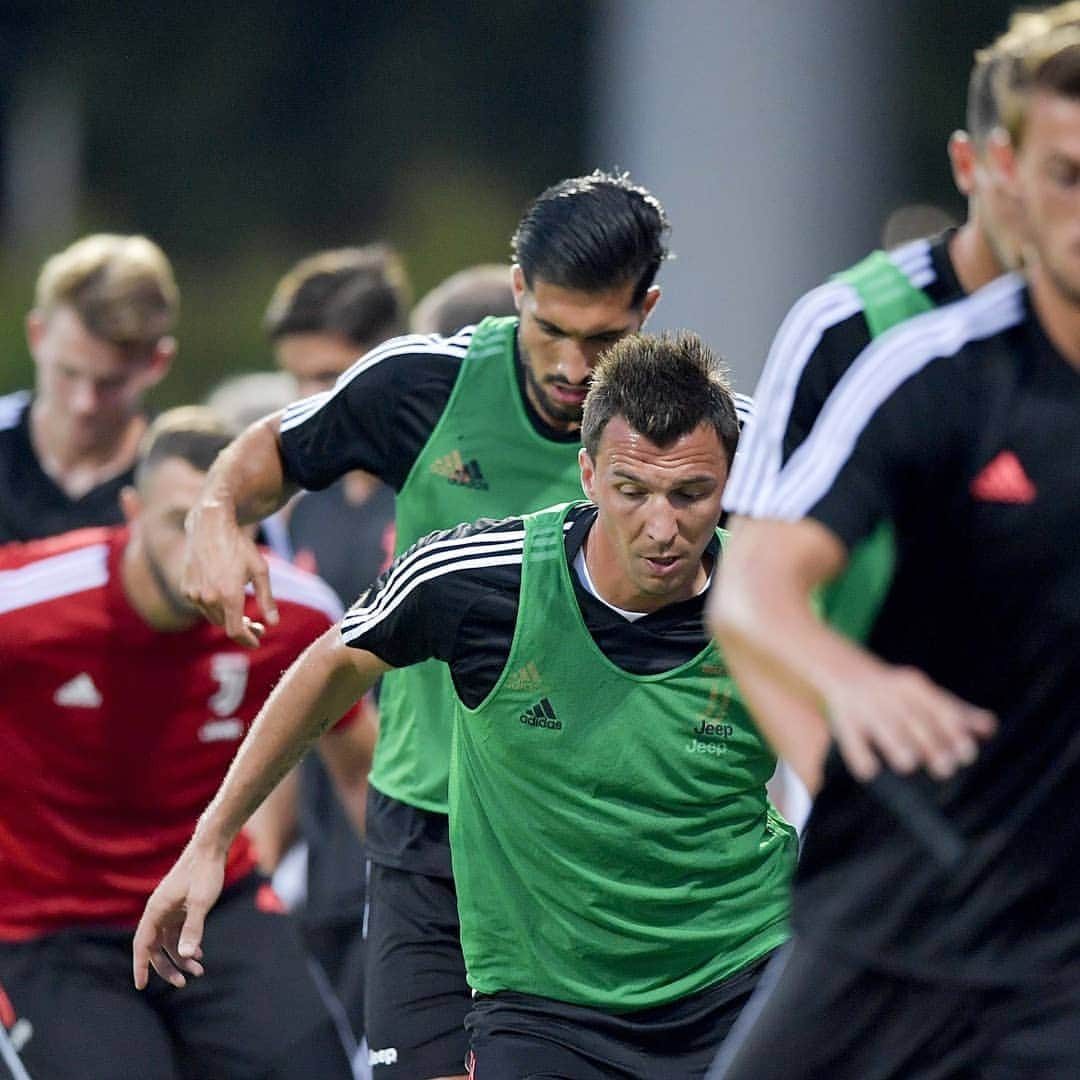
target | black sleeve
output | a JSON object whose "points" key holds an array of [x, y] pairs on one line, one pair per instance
{"points": [[377, 418], [818, 339], [452, 596], [836, 350], [907, 446]]}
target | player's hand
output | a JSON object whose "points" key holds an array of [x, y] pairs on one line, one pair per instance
{"points": [[169, 935], [221, 558], [898, 716]]}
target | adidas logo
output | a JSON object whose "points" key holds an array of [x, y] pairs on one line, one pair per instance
{"points": [[459, 471], [78, 693], [525, 678], [542, 714], [1004, 481]]}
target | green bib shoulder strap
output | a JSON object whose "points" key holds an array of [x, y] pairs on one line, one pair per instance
{"points": [[886, 292]]}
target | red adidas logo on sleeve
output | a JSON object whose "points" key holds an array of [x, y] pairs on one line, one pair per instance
{"points": [[1003, 480]]}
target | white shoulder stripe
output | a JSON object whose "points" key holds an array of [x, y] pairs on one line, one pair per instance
{"points": [[49, 579], [880, 369], [912, 258], [447, 555], [353, 628], [760, 451], [456, 347], [12, 407], [299, 587]]}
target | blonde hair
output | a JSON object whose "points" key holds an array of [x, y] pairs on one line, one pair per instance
{"points": [[121, 287]]}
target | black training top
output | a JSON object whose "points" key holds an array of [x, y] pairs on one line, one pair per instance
{"points": [[819, 340], [31, 503], [382, 412], [960, 431], [465, 615]]}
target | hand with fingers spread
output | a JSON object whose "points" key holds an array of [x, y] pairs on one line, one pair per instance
{"points": [[899, 717], [169, 935], [222, 558]]}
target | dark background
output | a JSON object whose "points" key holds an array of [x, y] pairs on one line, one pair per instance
{"points": [[243, 136]]}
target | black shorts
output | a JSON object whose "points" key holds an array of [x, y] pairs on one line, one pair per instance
{"points": [[339, 949], [816, 1015], [516, 1036], [416, 996], [256, 1013]]}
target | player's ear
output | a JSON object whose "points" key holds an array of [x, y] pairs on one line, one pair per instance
{"points": [[517, 284], [130, 503], [652, 295], [160, 361], [962, 161], [35, 330], [588, 473]]}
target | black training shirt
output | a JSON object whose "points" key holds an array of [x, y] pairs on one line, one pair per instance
{"points": [[32, 504], [961, 430]]}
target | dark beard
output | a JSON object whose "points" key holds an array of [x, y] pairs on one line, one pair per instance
{"points": [[549, 410]]}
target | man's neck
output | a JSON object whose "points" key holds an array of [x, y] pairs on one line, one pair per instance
{"points": [[1058, 314], [972, 257], [77, 470]]}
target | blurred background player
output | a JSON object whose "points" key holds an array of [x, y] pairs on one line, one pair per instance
{"points": [[935, 929], [100, 334], [120, 709], [830, 327], [484, 423], [329, 310], [463, 299]]}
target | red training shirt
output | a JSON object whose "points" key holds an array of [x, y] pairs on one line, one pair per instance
{"points": [[115, 736]]}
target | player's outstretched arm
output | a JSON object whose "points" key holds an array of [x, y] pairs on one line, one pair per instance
{"points": [[347, 754], [878, 713], [313, 694], [244, 485]]}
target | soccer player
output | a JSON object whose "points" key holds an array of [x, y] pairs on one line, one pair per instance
{"points": [[831, 326], [100, 335], [620, 874], [484, 423], [935, 911], [120, 708]]}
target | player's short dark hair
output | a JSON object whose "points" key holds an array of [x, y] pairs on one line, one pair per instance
{"points": [[192, 433], [663, 387], [593, 233], [465, 298], [361, 294]]}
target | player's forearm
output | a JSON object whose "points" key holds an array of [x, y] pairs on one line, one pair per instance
{"points": [[764, 622], [274, 826], [312, 695], [792, 724], [247, 482]]}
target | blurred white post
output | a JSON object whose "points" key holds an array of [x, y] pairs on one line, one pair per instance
{"points": [[768, 130], [42, 164]]}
